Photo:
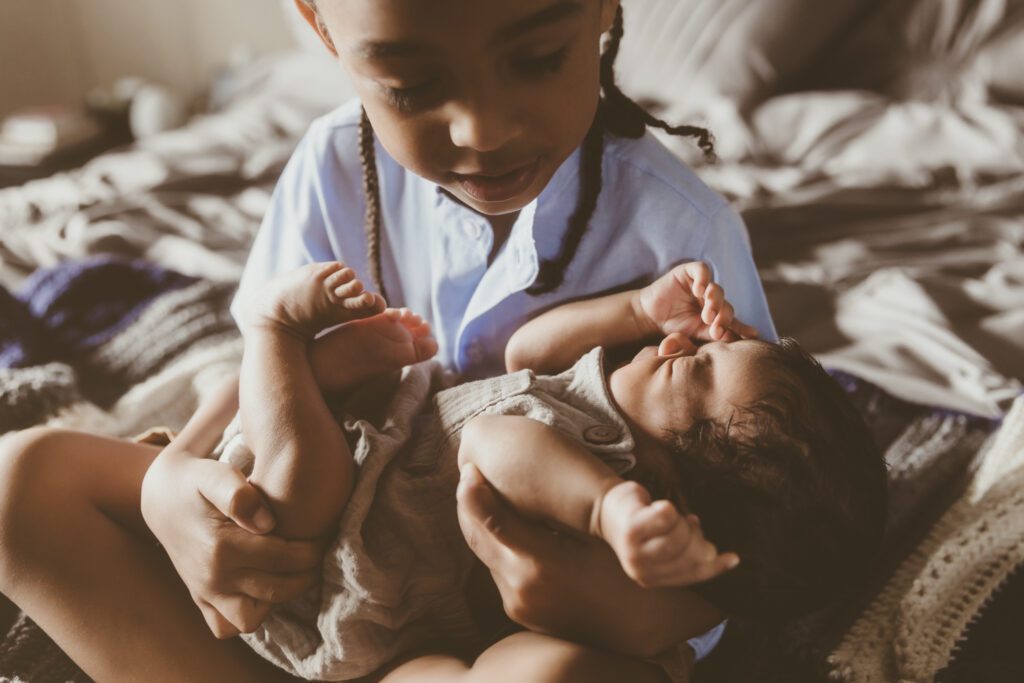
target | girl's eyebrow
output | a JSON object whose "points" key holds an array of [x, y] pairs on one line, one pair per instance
{"points": [[559, 11]]}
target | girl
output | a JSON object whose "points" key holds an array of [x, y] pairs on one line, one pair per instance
{"points": [[476, 163]]}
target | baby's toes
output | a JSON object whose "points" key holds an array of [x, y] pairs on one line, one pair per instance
{"points": [[424, 347], [366, 304]]}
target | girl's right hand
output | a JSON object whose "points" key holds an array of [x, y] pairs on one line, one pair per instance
{"points": [[213, 525]]}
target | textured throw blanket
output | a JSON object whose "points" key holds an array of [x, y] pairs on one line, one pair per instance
{"points": [[114, 346]]}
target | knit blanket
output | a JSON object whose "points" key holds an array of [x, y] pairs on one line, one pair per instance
{"points": [[116, 345]]}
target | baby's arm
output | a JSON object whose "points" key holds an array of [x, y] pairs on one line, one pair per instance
{"points": [[684, 304], [545, 474]]}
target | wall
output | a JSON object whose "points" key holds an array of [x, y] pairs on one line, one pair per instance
{"points": [[54, 51]]}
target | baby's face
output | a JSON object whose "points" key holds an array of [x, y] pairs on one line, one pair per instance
{"points": [[661, 393]]}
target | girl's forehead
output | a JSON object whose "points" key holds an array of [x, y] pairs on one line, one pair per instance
{"points": [[361, 23]]}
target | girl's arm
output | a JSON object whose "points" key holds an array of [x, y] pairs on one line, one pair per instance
{"points": [[211, 523], [573, 587]]}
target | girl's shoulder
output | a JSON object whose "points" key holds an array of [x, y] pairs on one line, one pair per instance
{"points": [[647, 167]]}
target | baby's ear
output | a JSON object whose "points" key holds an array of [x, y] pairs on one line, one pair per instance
{"points": [[313, 17]]}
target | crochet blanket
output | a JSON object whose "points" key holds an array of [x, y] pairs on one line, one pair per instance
{"points": [[116, 345]]}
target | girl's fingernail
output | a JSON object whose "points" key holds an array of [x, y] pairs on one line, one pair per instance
{"points": [[263, 520]]}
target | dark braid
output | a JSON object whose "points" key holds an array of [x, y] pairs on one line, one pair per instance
{"points": [[616, 113], [371, 193], [552, 273], [620, 116], [626, 118]]}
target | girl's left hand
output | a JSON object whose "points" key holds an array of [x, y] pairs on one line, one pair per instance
{"points": [[686, 300]]}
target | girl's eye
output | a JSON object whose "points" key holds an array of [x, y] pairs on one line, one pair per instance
{"points": [[547, 64], [410, 99]]}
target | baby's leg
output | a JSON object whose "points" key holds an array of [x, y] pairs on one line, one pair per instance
{"points": [[369, 347], [303, 463], [76, 555]]}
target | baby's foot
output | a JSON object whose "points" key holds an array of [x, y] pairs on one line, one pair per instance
{"points": [[313, 298], [371, 346], [655, 544]]}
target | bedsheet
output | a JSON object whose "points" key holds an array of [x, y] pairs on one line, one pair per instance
{"points": [[903, 272]]}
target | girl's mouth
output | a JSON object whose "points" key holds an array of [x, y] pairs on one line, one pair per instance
{"points": [[499, 188]]}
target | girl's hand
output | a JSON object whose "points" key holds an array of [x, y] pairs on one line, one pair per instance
{"points": [[212, 523], [538, 575], [687, 301]]}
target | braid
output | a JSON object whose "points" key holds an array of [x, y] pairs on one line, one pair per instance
{"points": [[620, 116], [552, 273], [627, 118], [371, 193]]}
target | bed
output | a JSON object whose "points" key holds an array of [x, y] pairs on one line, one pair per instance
{"points": [[879, 165]]}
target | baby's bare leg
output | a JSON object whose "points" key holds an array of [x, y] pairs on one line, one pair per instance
{"points": [[303, 463], [76, 555], [372, 346]]}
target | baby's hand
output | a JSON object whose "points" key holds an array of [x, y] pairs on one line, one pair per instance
{"points": [[688, 302], [657, 546]]}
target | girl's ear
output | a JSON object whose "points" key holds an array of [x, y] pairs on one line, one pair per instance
{"points": [[608, 10], [313, 18]]}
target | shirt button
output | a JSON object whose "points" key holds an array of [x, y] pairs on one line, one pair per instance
{"points": [[601, 434], [472, 230], [475, 352]]}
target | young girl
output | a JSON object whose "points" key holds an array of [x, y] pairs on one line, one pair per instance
{"points": [[492, 186]]}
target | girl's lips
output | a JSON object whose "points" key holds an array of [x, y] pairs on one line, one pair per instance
{"points": [[499, 188]]}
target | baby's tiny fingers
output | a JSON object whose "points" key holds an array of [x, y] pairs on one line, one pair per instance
{"points": [[700, 277], [744, 330], [656, 519], [714, 297]]}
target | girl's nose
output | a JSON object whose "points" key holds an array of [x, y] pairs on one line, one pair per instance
{"points": [[676, 343], [482, 125]]}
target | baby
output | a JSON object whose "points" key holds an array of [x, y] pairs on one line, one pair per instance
{"points": [[751, 436]]}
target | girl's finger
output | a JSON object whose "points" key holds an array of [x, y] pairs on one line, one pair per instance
{"points": [[243, 612], [271, 554], [674, 343], [226, 488], [275, 588], [219, 626]]}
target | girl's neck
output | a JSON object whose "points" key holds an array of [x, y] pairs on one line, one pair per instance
{"points": [[502, 228]]}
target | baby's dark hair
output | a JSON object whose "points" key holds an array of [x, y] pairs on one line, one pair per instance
{"points": [[794, 484], [617, 114]]}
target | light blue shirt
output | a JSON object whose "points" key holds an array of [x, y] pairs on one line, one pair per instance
{"points": [[653, 213]]}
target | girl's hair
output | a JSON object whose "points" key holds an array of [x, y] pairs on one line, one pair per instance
{"points": [[616, 114]]}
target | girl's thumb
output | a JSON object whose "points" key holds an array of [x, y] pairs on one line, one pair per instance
{"points": [[227, 489]]}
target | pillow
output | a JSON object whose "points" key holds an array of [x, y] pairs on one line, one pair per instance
{"points": [[683, 51], [931, 50]]}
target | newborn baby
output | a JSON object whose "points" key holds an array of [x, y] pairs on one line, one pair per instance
{"points": [[751, 436]]}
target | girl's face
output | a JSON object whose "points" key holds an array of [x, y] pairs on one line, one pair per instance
{"points": [[486, 98]]}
